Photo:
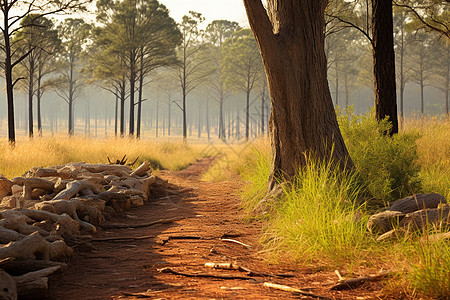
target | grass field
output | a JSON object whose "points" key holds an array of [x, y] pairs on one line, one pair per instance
{"points": [[58, 150]]}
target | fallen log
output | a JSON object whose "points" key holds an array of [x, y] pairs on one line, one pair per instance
{"points": [[20, 267], [5, 187], [141, 170], [34, 246], [356, 282], [417, 202], [8, 290], [73, 188], [438, 217], [292, 290], [34, 285], [34, 183]]}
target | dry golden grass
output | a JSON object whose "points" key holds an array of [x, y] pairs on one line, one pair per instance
{"points": [[433, 149], [62, 149]]}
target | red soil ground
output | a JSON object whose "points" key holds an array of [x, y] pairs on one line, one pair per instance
{"points": [[129, 270]]}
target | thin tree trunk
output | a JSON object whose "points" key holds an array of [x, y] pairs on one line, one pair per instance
{"points": [[116, 114], [207, 119], [337, 83], [157, 117], [247, 114], [132, 87], [39, 96], [30, 99], [141, 84]]}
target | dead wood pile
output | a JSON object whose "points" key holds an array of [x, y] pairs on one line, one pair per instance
{"points": [[411, 215], [48, 211]]}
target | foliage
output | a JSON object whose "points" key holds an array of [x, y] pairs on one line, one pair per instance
{"points": [[387, 166]]}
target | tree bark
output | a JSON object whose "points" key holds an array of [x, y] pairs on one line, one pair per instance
{"points": [[303, 120], [384, 62]]}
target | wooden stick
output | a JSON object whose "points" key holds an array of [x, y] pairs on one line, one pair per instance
{"points": [[137, 295], [161, 221], [120, 239], [292, 290], [355, 282], [339, 275], [169, 270], [236, 242], [231, 266]]}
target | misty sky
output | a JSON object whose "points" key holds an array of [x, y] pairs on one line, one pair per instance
{"points": [[232, 10]]}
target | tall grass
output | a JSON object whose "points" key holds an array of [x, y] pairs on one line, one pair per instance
{"points": [[319, 219], [431, 273], [60, 150]]}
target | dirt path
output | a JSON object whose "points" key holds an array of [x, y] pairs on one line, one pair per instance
{"points": [[210, 211]]}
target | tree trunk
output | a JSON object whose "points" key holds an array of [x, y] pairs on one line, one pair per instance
{"points": [[184, 117], [247, 114], [207, 119], [141, 84], [303, 119], [39, 95], [337, 83], [122, 109], [384, 62], [116, 115], [222, 135], [132, 87], [9, 82], [30, 98], [157, 117], [168, 115]]}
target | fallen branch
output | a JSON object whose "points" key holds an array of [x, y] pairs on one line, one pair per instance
{"points": [[292, 290], [122, 239], [356, 282], [137, 295], [161, 221], [236, 242], [231, 266], [171, 271]]}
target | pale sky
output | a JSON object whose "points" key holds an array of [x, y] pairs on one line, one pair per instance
{"points": [[232, 10]]}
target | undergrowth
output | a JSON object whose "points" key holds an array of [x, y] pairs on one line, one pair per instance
{"points": [[318, 220]]}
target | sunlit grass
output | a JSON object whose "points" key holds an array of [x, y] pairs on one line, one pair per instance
{"points": [[60, 150]]}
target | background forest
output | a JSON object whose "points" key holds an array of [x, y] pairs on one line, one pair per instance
{"points": [[195, 79]]}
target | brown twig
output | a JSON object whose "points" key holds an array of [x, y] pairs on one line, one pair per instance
{"points": [[161, 221], [231, 266], [236, 242], [123, 239], [292, 290], [171, 271]]}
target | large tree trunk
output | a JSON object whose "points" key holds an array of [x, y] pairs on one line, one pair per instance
{"points": [[303, 119], [384, 62]]}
